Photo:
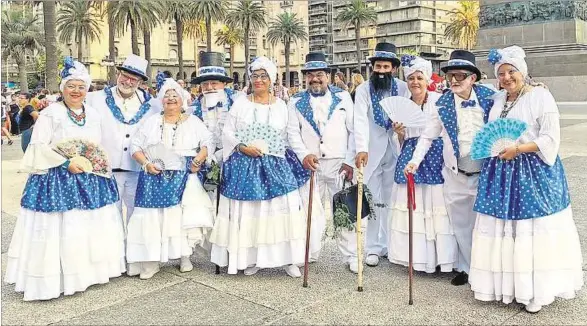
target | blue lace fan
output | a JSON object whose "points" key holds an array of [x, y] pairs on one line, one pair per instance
{"points": [[496, 136], [264, 137]]}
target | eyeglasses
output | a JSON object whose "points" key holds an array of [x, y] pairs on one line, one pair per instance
{"points": [[126, 77], [170, 96], [318, 75], [458, 76], [73, 87], [263, 77]]}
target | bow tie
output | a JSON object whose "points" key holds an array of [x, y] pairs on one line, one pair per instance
{"points": [[468, 104]]}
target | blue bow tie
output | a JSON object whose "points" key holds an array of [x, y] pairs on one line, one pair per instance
{"points": [[468, 104]]}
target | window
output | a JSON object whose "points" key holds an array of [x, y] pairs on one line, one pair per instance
{"points": [[172, 54]]}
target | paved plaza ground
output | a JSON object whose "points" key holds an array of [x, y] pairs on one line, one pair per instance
{"points": [[272, 297]]}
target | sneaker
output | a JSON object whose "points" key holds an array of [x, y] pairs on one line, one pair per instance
{"points": [[293, 271], [185, 264], [533, 308], [372, 260], [461, 279], [251, 270], [354, 266]]}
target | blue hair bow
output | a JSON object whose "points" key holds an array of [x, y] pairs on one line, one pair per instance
{"points": [[494, 56], [160, 78], [67, 64], [406, 60]]}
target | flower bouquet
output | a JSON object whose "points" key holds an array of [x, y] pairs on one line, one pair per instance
{"points": [[91, 157]]}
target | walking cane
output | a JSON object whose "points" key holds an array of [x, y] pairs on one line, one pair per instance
{"points": [[411, 206], [308, 227], [359, 230], [217, 271]]}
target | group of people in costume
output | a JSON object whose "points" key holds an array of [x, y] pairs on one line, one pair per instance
{"points": [[501, 223]]}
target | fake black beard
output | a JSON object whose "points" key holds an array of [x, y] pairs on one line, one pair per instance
{"points": [[381, 81]]}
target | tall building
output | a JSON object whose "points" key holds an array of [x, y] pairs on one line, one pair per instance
{"points": [[413, 26]]}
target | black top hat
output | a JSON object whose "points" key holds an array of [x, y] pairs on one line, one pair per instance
{"points": [[316, 61], [385, 52], [462, 59], [211, 68]]}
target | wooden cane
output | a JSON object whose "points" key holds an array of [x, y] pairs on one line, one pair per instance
{"points": [[359, 230], [411, 206], [308, 227]]}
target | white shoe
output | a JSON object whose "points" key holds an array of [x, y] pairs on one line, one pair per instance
{"points": [[185, 264], [533, 308], [354, 266], [372, 260], [149, 269], [293, 271], [251, 270]]}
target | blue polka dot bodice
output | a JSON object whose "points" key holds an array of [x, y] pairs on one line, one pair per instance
{"points": [[430, 169]]}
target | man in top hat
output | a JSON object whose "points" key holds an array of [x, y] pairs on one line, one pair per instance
{"points": [[215, 99], [376, 150], [320, 132], [124, 108], [461, 112]]}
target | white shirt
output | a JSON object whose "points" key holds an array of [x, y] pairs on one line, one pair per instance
{"points": [[321, 106], [469, 122], [129, 106]]}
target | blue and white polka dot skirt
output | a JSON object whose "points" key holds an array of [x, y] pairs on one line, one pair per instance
{"points": [[156, 191], [61, 191], [430, 169], [522, 188], [262, 178]]}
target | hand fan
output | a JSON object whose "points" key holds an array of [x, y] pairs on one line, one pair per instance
{"points": [[91, 157], [405, 111], [163, 158], [496, 136], [264, 137]]}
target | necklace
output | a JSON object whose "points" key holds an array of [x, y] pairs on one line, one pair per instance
{"points": [[116, 112], [424, 102], [174, 128], [506, 109], [255, 111], [78, 119]]}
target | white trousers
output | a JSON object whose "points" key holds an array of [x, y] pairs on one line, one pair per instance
{"points": [[329, 184], [127, 189], [380, 184], [460, 192]]}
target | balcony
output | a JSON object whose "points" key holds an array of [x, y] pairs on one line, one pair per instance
{"points": [[317, 11], [286, 4], [317, 42], [317, 31], [312, 22]]}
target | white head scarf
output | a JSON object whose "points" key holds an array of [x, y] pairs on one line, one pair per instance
{"points": [[267, 65], [411, 64], [513, 55], [74, 70], [171, 84]]}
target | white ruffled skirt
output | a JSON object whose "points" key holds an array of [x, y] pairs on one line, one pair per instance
{"points": [[161, 234], [65, 252], [433, 238], [531, 261], [266, 234]]}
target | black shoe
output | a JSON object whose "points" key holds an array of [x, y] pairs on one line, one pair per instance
{"points": [[461, 279]]}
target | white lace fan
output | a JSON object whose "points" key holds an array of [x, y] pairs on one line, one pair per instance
{"points": [[405, 111], [163, 158]]}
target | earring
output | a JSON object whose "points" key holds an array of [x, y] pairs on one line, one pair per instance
{"points": [[182, 110]]}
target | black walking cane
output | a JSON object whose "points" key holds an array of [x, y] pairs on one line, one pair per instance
{"points": [[411, 185], [217, 271], [308, 227]]}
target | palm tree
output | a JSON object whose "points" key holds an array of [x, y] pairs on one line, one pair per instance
{"points": [[77, 21], [21, 35], [464, 25], [248, 15], [231, 37], [51, 64], [195, 29], [135, 14], [357, 14], [287, 28], [210, 11], [181, 12]]}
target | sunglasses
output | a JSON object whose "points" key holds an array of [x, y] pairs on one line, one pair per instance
{"points": [[458, 76]]}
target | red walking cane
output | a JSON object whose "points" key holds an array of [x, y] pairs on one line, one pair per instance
{"points": [[411, 185], [308, 228]]}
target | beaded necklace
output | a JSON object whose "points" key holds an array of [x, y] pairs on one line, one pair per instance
{"points": [[255, 110], [174, 128], [78, 119], [506, 109], [423, 103]]}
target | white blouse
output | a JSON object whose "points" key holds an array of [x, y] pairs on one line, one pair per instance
{"points": [[429, 106], [539, 110], [244, 113]]}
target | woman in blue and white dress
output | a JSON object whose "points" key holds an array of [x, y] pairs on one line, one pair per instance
{"points": [[525, 243], [69, 234], [261, 219], [434, 240], [172, 212]]}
